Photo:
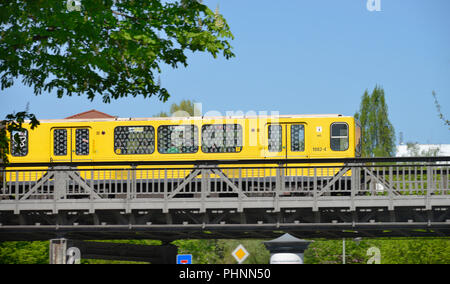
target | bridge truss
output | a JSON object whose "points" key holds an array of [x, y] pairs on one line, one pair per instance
{"points": [[331, 198]]}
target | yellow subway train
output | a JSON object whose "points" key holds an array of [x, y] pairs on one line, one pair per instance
{"points": [[193, 138], [286, 137]]}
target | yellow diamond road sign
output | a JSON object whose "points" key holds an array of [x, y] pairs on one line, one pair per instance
{"points": [[240, 253]]}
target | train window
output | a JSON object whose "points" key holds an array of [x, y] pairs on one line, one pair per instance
{"points": [[221, 138], [174, 139], [275, 138], [339, 136], [130, 140], [298, 138], [19, 143], [82, 142], [60, 142]]}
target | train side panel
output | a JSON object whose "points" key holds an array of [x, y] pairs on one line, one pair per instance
{"points": [[108, 140]]}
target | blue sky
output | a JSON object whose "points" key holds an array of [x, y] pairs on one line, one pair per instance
{"points": [[303, 57]]}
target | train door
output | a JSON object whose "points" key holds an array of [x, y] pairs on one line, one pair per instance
{"points": [[276, 139], [286, 140], [296, 141], [71, 144]]}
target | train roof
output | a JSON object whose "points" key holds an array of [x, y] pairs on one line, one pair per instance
{"points": [[189, 118]]}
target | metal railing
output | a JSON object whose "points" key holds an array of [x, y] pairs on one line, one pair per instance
{"points": [[267, 183]]}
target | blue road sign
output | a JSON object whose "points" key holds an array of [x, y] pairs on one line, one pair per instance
{"points": [[184, 258]]}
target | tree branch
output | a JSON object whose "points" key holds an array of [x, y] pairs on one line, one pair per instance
{"points": [[438, 108]]}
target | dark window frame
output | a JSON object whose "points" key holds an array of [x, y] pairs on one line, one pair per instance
{"points": [[280, 138], [304, 137], [241, 146], [77, 149], [195, 139], [129, 126], [66, 150], [340, 137], [13, 146]]}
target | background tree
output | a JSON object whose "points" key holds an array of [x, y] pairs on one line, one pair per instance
{"points": [[24, 252], [393, 251], [413, 150], [184, 108], [377, 131], [161, 114]]}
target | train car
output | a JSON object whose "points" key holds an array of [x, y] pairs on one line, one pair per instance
{"points": [[167, 140], [193, 138]]}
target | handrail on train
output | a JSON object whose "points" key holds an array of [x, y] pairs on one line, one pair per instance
{"points": [[284, 162]]}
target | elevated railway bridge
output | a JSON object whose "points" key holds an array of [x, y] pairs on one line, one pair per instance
{"points": [[331, 198]]}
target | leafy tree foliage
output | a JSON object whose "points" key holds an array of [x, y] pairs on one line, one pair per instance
{"points": [[104, 47], [184, 108], [258, 254], [377, 131], [111, 48], [321, 251], [392, 251], [413, 150], [203, 251], [24, 252], [13, 123], [220, 251]]}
